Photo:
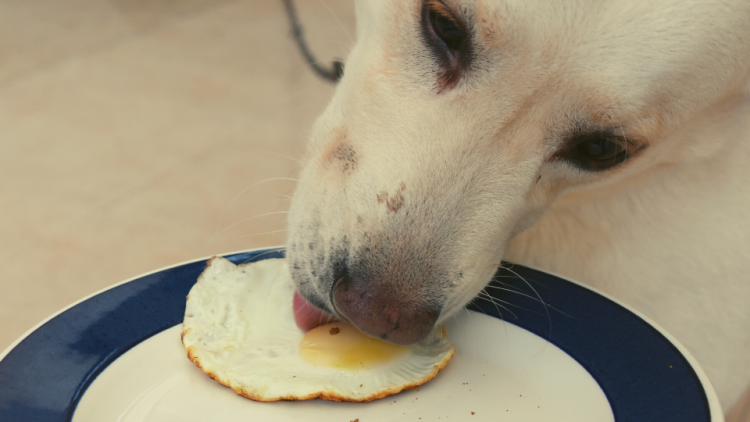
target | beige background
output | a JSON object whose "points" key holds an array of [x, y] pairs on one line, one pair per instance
{"points": [[137, 134]]}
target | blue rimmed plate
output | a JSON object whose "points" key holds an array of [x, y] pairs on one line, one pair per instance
{"points": [[576, 356]]}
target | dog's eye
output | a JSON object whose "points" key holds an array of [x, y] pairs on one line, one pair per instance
{"points": [[600, 149], [595, 151], [445, 26], [446, 36]]}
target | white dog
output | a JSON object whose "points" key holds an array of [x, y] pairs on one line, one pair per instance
{"points": [[607, 141]]}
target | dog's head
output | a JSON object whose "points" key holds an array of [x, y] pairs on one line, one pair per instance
{"points": [[458, 122]]}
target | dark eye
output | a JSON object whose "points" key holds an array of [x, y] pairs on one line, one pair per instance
{"points": [[449, 42], [446, 28], [595, 151], [600, 149]]}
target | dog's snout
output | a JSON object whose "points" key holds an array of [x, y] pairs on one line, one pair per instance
{"points": [[377, 310]]}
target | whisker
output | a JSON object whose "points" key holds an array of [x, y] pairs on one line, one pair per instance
{"points": [[248, 219], [500, 314], [501, 284], [491, 299], [515, 276], [560, 311], [519, 307], [549, 319], [531, 298], [495, 301], [351, 40], [546, 309], [516, 292], [467, 311], [285, 156], [260, 234], [221, 218]]}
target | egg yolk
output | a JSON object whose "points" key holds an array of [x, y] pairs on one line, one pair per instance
{"points": [[342, 346]]}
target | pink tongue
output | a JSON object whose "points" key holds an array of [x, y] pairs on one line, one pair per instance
{"points": [[308, 316]]}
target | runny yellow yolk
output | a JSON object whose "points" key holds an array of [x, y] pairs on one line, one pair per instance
{"points": [[342, 346]]}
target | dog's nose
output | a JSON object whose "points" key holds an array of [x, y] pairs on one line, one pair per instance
{"points": [[376, 309]]}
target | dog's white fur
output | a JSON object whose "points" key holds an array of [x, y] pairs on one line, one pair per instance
{"points": [[448, 181]]}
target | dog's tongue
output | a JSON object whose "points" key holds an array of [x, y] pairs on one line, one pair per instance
{"points": [[308, 316]]}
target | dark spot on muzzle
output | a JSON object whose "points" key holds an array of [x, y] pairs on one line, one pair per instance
{"points": [[380, 311]]}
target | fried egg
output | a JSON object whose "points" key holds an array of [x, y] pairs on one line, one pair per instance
{"points": [[239, 329]]}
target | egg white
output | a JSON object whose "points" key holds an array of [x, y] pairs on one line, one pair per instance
{"points": [[239, 329]]}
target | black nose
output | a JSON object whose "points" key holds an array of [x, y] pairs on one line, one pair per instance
{"points": [[384, 309]]}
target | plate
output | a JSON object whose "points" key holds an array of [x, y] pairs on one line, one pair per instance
{"points": [[575, 356]]}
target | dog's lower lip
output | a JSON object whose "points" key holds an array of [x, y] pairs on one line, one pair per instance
{"points": [[308, 316]]}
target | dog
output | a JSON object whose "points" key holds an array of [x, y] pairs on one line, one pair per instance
{"points": [[606, 141]]}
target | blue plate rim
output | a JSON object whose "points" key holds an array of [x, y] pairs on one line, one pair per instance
{"points": [[711, 397], [15, 343]]}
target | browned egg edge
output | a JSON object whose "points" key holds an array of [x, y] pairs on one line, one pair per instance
{"points": [[324, 395]]}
